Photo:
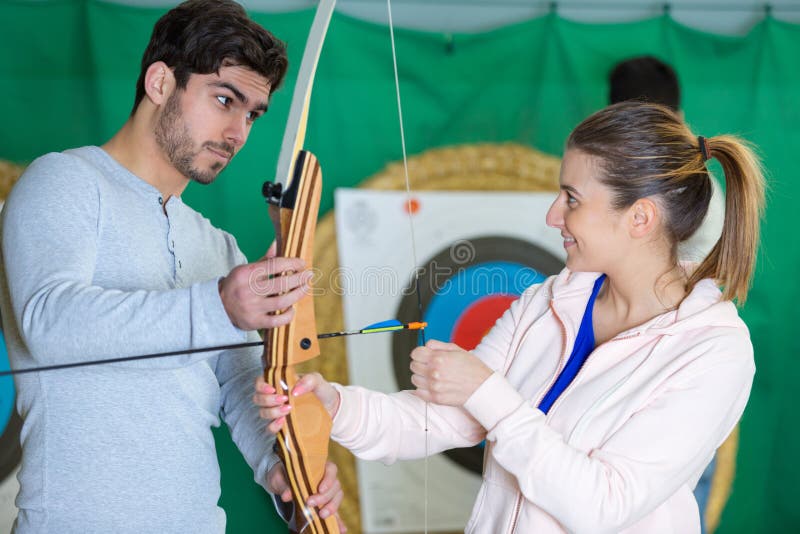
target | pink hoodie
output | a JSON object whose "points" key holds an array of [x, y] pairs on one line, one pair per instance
{"points": [[623, 446]]}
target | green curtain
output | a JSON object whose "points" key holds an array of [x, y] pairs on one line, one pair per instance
{"points": [[69, 69]]}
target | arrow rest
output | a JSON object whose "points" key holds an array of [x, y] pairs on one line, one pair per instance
{"points": [[272, 192]]}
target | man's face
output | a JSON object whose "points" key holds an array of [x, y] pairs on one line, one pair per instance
{"points": [[203, 126]]}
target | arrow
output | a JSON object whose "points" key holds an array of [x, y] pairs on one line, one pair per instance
{"points": [[376, 328]]}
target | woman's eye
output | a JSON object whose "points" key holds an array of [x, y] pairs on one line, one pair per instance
{"points": [[224, 100], [571, 199]]}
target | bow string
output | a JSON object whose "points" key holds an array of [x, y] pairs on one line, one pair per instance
{"points": [[415, 262]]}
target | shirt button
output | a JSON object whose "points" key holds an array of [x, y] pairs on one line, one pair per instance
{"points": [[179, 265], [160, 200]]}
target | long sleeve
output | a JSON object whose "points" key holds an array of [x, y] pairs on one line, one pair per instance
{"points": [[95, 264], [237, 372], [640, 464], [54, 226], [377, 426]]}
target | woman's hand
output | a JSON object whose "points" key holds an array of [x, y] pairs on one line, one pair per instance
{"points": [[274, 406], [445, 373]]}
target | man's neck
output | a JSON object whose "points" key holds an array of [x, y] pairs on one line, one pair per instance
{"points": [[134, 147]]}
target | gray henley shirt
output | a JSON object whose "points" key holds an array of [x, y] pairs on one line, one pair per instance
{"points": [[92, 268]]}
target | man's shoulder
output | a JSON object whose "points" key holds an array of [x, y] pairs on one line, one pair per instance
{"points": [[62, 168], [56, 175], [83, 158]]}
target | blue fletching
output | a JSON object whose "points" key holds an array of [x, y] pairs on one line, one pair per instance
{"points": [[384, 324]]}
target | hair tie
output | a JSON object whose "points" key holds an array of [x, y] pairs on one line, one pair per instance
{"points": [[704, 149]]}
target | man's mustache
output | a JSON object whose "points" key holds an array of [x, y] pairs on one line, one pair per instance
{"points": [[221, 147]]}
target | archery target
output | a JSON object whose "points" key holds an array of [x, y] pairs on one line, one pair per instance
{"points": [[476, 253]]}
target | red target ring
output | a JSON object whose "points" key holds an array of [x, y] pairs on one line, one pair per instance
{"points": [[479, 318]]}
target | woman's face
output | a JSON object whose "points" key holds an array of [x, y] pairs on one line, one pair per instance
{"points": [[595, 235]]}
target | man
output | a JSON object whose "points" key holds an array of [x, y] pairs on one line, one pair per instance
{"points": [[101, 259], [650, 79]]}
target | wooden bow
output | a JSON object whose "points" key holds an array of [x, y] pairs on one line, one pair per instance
{"points": [[294, 198]]}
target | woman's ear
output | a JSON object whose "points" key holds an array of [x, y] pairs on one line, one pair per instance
{"points": [[643, 217], [159, 82]]}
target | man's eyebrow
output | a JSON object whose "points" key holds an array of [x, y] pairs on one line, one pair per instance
{"points": [[240, 95], [232, 88], [570, 189]]}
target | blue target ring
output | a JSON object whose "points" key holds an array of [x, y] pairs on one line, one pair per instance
{"points": [[7, 392], [10, 421], [469, 286]]}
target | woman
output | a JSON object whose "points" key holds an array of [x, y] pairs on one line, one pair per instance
{"points": [[604, 391]]}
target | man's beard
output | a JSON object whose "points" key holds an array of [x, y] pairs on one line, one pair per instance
{"points": [[172, 136]]}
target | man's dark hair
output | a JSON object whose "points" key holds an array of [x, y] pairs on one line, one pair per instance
{"points": [[645, 78], [201, 36]]}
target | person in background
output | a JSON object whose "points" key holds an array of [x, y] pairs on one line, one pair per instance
{"points": [[603, 392], [101, 258]]}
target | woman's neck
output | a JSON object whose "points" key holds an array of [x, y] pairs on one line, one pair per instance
{"points": [[637, 292]]}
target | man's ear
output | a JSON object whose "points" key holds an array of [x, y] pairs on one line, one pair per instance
{"points": [[159, 82], [643, 217]]}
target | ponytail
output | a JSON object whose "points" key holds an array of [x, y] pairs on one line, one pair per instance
{"points": [[732, 260]]}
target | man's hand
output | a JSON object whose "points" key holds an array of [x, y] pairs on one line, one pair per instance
{"points": [[252, 293], [327, 499]]}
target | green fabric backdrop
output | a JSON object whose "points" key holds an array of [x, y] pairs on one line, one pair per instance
{"points": [[68, 75]]}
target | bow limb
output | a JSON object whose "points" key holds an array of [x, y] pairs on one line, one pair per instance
{"points": [[302, 443]]}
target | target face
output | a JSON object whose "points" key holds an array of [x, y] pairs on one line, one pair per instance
{"points": [[464, 289]]}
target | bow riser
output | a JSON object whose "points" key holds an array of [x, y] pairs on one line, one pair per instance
{"points": [[303, 441], [295, 219]]}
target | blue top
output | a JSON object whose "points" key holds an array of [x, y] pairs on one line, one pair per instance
{"points": [[584, 345]]}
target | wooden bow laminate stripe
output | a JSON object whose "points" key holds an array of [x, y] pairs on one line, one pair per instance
{"points": [[303, 440]]}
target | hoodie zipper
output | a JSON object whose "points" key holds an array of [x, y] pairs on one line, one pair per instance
{"points": [[561, 363]]}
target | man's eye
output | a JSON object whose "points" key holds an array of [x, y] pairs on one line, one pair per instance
{"points": [[571, 199], [252, 116], [224, 100]]}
